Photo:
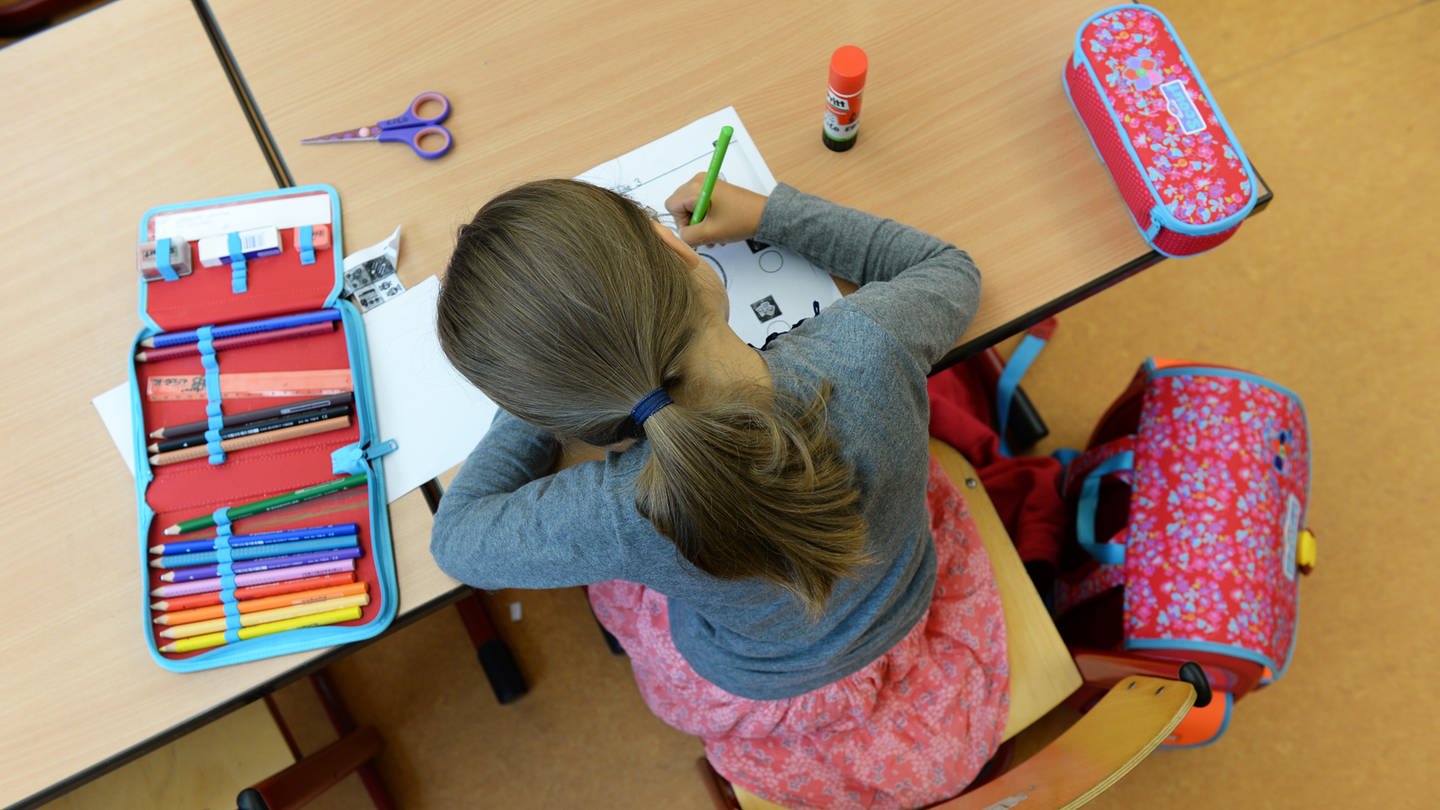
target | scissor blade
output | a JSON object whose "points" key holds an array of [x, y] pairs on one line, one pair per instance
{"points": [[369, 133]]}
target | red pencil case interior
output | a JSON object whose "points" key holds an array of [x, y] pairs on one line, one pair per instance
{"points": [[272, 255]]}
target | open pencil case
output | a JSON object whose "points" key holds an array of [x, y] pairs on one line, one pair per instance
{"points": [[209, 272]]}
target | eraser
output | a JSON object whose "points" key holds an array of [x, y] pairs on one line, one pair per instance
{"points": [[319, 237], [179, 259], [255, 243]]}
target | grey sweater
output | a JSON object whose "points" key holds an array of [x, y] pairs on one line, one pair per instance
{"points": [[505, 523]]}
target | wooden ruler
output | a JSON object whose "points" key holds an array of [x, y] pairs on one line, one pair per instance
{"points": [[310, 383]]}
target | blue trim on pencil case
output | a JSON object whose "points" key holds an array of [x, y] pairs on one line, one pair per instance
{"points": [[1170, 222]]}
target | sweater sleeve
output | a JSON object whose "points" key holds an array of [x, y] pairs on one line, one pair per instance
{"points": [[921, 289], [504, 522]]}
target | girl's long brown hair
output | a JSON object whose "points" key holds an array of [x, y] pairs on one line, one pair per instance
{"points": [[564, 306]]}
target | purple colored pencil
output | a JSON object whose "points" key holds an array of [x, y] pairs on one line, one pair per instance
{"points": [[173, 589], [195, 572]]}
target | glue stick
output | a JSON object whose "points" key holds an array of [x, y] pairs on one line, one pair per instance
{"points": [[842, 103]]}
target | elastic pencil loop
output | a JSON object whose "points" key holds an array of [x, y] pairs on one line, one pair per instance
{"points": [[224, 558], [238, 277], [224, 568], [215, 419], [162, 260], [305, 241]]}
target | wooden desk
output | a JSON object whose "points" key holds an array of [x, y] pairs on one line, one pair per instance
{"points": [[116, 111], [966, 131]]}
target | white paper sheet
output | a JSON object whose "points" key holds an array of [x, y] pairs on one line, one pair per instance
{"points": [[423, 403], [770, 288], [433, 413]]}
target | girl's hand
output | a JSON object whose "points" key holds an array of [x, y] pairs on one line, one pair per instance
{"points": [[734, 212]]}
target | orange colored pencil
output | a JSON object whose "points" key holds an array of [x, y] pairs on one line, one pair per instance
{"points": [[252, 605], [254, 591], [254, 440]]}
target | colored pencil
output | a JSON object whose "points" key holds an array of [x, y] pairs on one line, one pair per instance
{"points": [[258, 539], [207, 598], [170, 589], [702, 205], [235, 342], [261, 439], [349, 614], [164, 339], [193, 573], [252, 552], [263, 616], [267, 504], [278, 423], [258, 415], [217, 611]]}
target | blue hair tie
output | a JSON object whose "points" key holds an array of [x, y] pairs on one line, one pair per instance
{"points": [[649, 404]]}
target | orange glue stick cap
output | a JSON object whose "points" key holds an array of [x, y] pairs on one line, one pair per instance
{"points": [[847, 70]]}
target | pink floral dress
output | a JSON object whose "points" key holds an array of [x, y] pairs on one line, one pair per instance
{"points": [[911, 728]]}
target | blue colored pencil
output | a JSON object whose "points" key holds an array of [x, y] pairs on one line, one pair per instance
{"points": [[242, 328], [257, 539], [255, 552], [260, 564]]}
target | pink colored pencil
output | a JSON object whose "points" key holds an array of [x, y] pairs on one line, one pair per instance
{"points": [[257, 578]]}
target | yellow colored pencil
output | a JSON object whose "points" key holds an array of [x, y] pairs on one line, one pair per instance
{"points": [[349, 614], [263, 616]]}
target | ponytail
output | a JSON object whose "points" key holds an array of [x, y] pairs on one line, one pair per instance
{"points": [[747, 491]]}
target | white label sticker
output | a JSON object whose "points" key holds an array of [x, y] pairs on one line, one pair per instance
{"points": [[1290, 531]]}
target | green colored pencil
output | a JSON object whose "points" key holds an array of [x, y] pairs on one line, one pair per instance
{"points": [[245, 510], [702, 205]]}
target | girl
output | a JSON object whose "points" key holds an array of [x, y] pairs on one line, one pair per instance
{"points": [[793, 580]]}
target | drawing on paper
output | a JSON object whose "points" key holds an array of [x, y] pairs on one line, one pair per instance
{"points": [[763, 281]]}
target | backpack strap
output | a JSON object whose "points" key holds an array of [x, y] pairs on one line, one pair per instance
{"points": [[1035, 339], [1113, 551]]}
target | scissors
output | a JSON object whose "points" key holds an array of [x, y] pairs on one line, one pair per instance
{"points": [[409, 127]]}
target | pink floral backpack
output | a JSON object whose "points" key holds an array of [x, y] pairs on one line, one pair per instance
{"points": [[1190, 502]]}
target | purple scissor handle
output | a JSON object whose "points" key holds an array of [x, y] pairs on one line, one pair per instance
{"points": [[408, 128]]}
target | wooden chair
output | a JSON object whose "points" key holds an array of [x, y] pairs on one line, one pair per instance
{"points": [[1110, 740], [249, 746]]}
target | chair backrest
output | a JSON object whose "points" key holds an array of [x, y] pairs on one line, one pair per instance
{"points": [[1041, 671], [1104, 745]]}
